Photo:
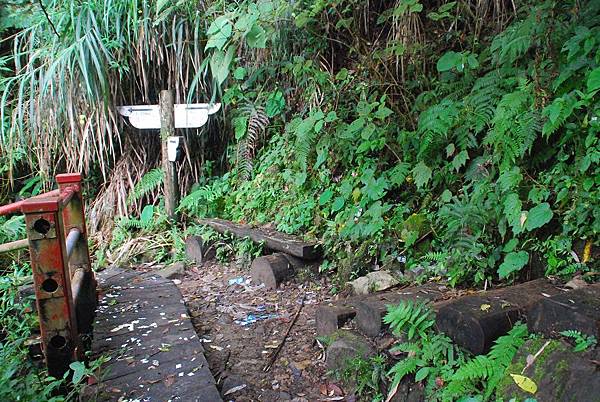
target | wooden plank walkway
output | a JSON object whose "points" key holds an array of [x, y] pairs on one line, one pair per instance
{"points": [[155, 355]]}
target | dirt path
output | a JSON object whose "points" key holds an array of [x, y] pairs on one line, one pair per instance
{"points": [[237, 349]]}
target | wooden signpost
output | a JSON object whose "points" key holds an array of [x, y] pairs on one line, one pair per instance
{"points": [[168, 116]]}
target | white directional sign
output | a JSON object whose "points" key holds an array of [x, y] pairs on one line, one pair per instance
{"points": [[191, 115]]}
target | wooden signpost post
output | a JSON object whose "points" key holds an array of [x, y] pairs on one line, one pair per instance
{"points": [[168, 116]]}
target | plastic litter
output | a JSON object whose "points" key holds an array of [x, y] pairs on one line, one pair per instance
{"points": [[252, 318], [237, 281]]}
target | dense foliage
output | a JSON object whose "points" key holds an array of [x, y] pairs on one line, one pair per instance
{"points": [[476, 157], [459, 137]]}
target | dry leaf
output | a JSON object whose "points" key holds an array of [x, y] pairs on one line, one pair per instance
{"points": [[169, 380], [525, 383], [485, 307]]}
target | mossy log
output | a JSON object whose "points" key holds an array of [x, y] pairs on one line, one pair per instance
{"points": [[476, 321], [559, 373]]}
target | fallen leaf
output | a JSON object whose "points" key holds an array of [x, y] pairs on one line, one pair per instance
{"points": [[235, 389], [169, 380], [525, 383], [485, 307]]}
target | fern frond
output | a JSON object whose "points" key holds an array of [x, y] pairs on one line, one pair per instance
{"points": [[148, 183]]}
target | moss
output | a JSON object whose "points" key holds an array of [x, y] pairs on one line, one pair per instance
{"points": [[540, 370]]}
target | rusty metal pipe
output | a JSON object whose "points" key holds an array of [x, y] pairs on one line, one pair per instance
{"points": [[13, 245], [15, 207], [71, 241]]}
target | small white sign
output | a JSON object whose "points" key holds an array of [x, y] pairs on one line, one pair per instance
{"points": [[191, 115]]}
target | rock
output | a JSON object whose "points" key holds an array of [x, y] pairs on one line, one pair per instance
{"points": [[576, 283], [174, 270], [373, 282], [559, 373], [194, 249], [414, 273], [346, 346]]}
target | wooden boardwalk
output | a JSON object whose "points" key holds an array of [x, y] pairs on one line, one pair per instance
{"points": [[155, 354]]}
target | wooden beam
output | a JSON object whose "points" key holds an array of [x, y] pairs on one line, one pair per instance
{"points": [[273, 239], [167, 129]]}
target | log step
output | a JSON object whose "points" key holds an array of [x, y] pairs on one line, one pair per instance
{"points": [[575, 310], [273, 239], [476, 321], [371, 310]]}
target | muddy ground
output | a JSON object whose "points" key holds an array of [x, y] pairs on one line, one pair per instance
{"points": [[223, 304]]}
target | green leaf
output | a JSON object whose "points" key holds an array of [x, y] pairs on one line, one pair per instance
{"points": [[219, 64], [510, 246], [147, 214], [78, 372], [446, 196], [538, 216], [325, 197], [513, 262], [448, 61], [593, 81], [422, 373], [421, 174], [218, 33], [338, 204], [239, 124], [512, 211], [239, 73], [459, 160], [257, 37], [275, 104]]}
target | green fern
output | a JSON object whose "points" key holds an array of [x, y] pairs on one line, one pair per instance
{"points": [[148, 183], [257, 123], [202, 196], [483, 373], [414, 318]]}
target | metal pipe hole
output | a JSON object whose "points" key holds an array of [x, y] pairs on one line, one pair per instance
{"points": [[50, 285], [58, 342], [41, 226]]}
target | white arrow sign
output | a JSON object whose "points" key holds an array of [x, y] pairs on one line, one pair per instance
{"points": [[191, 115]]}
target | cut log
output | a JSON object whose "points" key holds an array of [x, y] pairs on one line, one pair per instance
{"points": [[577, 310], [559, 373], [371, 310], [274, 269], [273, 239], [476, 321], [329, 318], [194, 249], [346, 346]]}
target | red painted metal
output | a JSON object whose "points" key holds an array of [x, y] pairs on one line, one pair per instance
{"points": [[52, 282], [15, 207], [65, 309]]}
